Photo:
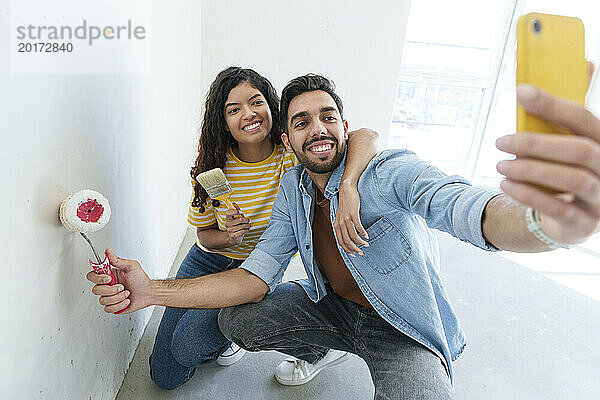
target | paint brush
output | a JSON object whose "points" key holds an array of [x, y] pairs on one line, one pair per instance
{"points": [[216, 185]]}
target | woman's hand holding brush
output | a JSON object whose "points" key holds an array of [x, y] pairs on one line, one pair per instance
{"points": [[237, 225]]}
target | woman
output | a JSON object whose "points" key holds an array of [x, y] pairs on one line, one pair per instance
{"points": [[240, 134]]}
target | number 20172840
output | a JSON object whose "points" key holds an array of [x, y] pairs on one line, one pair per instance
{"points": [[44, 47]]}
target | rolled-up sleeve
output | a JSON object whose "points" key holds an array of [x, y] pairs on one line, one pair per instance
{"points": [[276, 246], [468, 214]]}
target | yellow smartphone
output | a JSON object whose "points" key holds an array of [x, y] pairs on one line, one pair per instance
{"points": [[551, 56]]}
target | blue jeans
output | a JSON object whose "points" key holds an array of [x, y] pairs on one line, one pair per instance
{"points": [[288, 321], [187, 338]]}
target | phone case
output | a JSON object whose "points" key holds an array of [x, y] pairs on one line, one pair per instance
{"points": [[551, 56]]}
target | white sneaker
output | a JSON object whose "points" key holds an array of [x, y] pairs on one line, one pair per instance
{"points": [[230, 356], [292, 371]]}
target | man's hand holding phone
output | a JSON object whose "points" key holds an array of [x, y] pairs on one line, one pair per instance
{"points": [[557, 146], [569, 164]]}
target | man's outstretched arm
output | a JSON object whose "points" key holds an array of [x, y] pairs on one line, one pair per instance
{"points": [[258, 274], [566, 163], [223, 289]]}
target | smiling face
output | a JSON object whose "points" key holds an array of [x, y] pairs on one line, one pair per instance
{"points": [[247, 114], [316, 132]]}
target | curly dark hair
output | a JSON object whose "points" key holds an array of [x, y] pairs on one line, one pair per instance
{"points": [[303, 84], [215, 137]]}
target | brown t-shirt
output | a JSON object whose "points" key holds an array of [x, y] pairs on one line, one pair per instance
{"points": [[328, 256]]}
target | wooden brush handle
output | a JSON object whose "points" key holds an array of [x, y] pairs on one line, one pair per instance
{"points": [[229, 204]]}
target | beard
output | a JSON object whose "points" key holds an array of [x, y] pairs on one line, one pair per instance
{"points": [[323, 166]]}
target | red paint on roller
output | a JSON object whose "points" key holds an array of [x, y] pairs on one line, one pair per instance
{"points": [[90, 211]]}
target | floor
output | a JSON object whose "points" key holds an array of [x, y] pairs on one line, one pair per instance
{"points": [[530, 335]]}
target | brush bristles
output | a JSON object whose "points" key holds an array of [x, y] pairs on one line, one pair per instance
{"points": [[214, 182], [212, 178], [218, 191]]}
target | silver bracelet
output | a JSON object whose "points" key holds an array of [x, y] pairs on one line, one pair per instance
{"points": [[534, 226]]}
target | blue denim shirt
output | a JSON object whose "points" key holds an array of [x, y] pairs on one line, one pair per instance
{"points": [[401, 198]]}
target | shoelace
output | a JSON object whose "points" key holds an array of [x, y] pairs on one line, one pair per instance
{"points": [[301, 369], [231, 350]]}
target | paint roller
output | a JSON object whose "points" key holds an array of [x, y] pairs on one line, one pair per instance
{"points": [[88, 211]]}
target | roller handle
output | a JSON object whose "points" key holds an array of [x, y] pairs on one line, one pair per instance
{"points": [[107, 269]]}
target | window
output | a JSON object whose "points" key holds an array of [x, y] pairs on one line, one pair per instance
{"points": [[456, 91], [448, 74]]}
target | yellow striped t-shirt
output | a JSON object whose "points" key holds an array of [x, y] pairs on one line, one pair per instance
{"points": [[255, 186]]}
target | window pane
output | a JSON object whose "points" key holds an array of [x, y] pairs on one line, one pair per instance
{"points": [[502, 120], [471, 23], [446, 58], [436, 122], [452, 36]]}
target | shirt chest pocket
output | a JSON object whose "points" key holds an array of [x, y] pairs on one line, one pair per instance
{"points": [[388, 248]]}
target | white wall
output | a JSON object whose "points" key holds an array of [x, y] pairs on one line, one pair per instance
{"points": [[132, 138], [358, 44]]}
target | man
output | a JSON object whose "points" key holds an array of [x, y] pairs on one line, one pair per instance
{"points": [[386, 303]]}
